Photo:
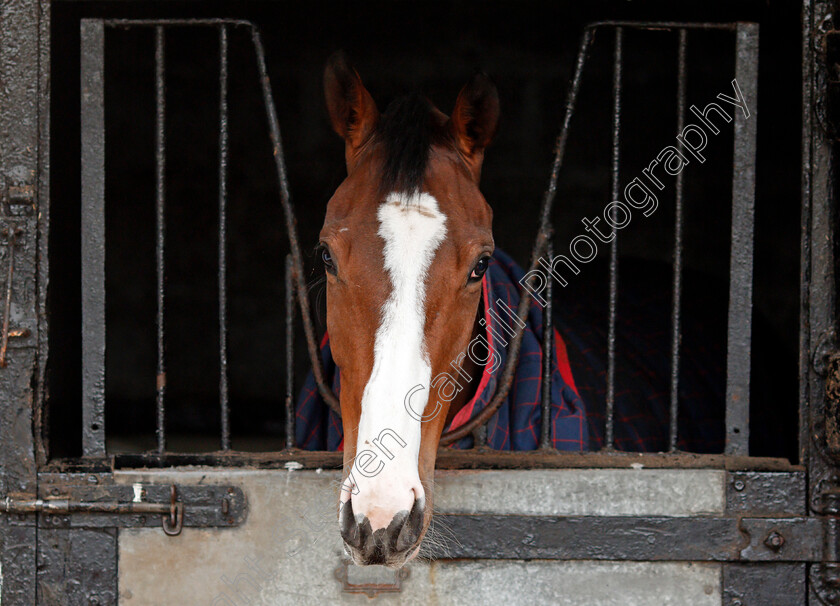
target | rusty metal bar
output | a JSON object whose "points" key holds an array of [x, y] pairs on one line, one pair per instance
{"points": [[172, 513], [547, 354], [92, 63], [290, 357], [609, 432], [223, 175], [738, 349], [664, 25], [160, 176], [678, 254], [7, 304], [291, 229], [540, 247]]}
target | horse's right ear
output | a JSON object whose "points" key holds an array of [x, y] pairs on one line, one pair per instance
{"points": [[352, 110]]}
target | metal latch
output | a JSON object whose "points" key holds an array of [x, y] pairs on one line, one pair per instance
{"points": [[66, 502], [172, 513], [11, 234]]}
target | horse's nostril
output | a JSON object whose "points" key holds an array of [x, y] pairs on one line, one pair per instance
{"points": [[411, 528], [350, 531]]}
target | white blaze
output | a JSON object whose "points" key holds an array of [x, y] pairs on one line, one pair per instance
{"points": [[385, 471]]}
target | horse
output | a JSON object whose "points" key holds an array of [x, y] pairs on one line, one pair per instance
{"points": [[406, 239]]}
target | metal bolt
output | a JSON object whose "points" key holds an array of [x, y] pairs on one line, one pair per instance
{"points": [[94, 600], [739, 485], [736, 602], [92, 479], [774, 541], [55, 492]]}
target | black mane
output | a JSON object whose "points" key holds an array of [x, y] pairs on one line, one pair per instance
{"points": [[407, 130]]}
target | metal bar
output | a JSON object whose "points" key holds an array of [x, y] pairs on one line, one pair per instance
{"points": [[656, 25], [93, 237], [808, 131], [480, 438], [547, 366], [290, 357], [451, 458], [678, 255], [651, 25], [291, 229], [741, 259], [160, 164], [223, 174], [176, 22], [540, 246], [609, 440], [720, 538], [24, 145], [11, 242]]}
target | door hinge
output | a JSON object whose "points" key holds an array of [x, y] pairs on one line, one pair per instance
{"points": [[825, 576], [100, 503]]}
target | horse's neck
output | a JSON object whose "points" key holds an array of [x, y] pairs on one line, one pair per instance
{"points": [[472, 370]]}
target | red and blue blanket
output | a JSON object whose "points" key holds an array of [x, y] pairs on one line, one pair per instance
{"points": [[578, 382]]}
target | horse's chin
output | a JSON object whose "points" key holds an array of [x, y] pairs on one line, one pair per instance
{"points": [[394, 563]]}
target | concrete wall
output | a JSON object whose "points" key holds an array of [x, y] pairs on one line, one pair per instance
{"points": [[289, 549]]}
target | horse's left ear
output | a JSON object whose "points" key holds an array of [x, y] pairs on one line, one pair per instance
{"points": [[474, 120], [352, 110]]}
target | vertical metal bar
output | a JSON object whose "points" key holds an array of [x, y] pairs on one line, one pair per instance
{"points": [[93, 236], [547, 354], [291, 225], [741, 259], [24, 107], [223, 174], [160, 164], [290, 357], [678, 255], [813, 156], [479, 434], [616, 140]]}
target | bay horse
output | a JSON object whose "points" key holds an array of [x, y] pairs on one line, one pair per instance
{"points": [[405, 242]]}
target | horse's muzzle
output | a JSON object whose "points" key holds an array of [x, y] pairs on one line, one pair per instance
{"points": [[389, 546]]}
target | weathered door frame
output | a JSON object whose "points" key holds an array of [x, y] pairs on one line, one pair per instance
{"points": [[44, 547]]}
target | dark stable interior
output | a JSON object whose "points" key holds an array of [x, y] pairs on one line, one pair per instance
{"points": [[529, 49]]}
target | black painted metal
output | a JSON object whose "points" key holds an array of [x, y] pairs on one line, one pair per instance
{"points": [[290, 357], [609, 433], [24, 169], [818, 292], [776, 584], [160, 188], [678, 253], [65, 572], [766, 493], [741, 260], [724, 538], [223, 175], [547, 354], [93, 237]]}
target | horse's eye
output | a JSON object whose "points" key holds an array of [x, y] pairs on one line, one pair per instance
{"points": [[479, 269], [326, 257]]}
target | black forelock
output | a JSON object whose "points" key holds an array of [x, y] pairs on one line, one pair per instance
{"points": [[406, 130]]}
